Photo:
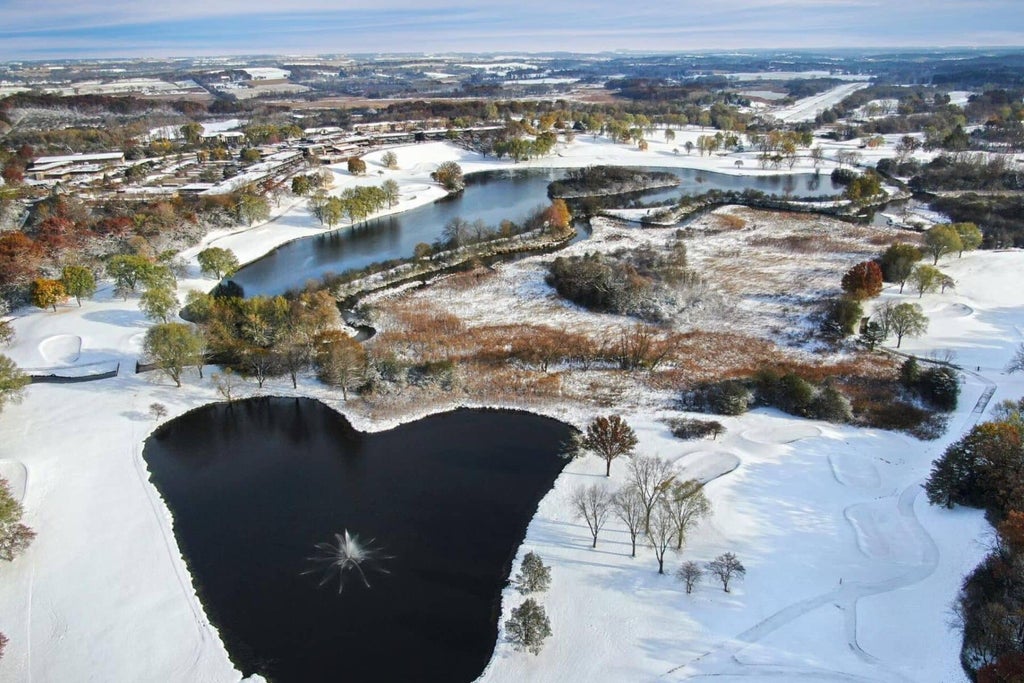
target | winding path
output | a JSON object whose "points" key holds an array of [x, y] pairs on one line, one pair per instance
{"points": [[725, 657]]}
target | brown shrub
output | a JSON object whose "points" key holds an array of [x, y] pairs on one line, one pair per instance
{"points": [[729, 221]]}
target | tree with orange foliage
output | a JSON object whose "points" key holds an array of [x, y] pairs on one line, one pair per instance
{"points": [[863, 281], [47, 293], [557, 216]]}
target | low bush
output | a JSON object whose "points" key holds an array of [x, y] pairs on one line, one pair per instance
{"points": [[688, 428], [788, 392], [729, 397]]}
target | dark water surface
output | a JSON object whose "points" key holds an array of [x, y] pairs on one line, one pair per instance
{"points": [[491, 196], [254, 486]]}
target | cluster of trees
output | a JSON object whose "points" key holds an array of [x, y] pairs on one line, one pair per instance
{"points": [[554, 219], [710, 144], [894, 319], [985, 469], [64, 231], [903, 403], [305, 183], [938, 386], [355, 203], [15, 537], [897, 264], [793, 394], [976, 172], [776, 147], [1000, 216], [726, 567], [529, 626], [655, 503], [989, 609], [598, 180], [645, 283], [864, 188], [260, 338], [158, 300], [917, 109], [521, 149]]}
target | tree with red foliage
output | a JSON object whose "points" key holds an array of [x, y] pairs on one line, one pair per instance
{"points": [[14, 172], [1009, 668], [863, 281], [19, 259], [115, 226], [56, 233]]}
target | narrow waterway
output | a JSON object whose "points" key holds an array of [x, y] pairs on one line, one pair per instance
{"points": [[491, 196]]}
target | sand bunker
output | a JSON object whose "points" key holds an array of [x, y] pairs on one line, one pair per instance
{"points": [[852, 469], [957, 311], [782, 434], [705, 466], [61, 348]]}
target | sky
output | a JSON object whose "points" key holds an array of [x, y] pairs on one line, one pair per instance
{"points": [[44, 29]]}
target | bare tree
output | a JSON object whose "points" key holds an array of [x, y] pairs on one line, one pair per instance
{"points": [[227, 384], [1016, 363], [883, 314], [608, 437], [689, 573], [340, 361], [628, 506], [640, 347], [157, 410], [688, 505], [661, 531], [593, 504], [261, 364], [726, 567], [652, 476]]}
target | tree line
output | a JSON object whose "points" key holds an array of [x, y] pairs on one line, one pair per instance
{"points": [[985, 469]]}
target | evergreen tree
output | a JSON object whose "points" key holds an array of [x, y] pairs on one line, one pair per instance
{"points": [[534, 576], [528, 627]]}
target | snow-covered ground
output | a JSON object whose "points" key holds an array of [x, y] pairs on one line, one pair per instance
{"points": [[809, 107], [849, 570], [850, 573]]}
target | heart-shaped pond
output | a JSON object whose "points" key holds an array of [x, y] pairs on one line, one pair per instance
{"points": [[255, 486]]}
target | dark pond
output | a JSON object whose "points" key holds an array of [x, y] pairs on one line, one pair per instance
{"points": [[253, 487], [491, 196]]}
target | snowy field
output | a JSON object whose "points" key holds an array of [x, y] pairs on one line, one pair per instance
{"points": [[809, 107], [849, 571]]}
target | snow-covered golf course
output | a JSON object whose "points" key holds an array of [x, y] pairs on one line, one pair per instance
{"points": [[849, 571]]}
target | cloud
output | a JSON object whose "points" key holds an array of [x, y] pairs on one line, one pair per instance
{"points": [[120, 27]]}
